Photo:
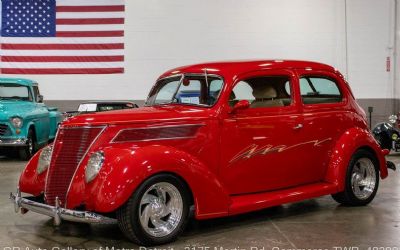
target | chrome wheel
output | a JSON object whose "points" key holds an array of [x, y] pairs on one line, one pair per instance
{"points": [[363, 178], [161, 209], [30, 145]]}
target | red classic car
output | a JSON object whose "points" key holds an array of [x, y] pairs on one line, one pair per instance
{"points": [[219, 139]]}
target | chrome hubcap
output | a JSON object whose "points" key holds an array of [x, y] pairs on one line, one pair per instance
{"points": [[363, 178], [161, 209]]}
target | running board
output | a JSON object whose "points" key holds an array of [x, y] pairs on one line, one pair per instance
{"points": [[391, 165], [252, 202]]}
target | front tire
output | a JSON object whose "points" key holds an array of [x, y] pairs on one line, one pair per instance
{"points": [[26, 152], [362, 180], [157, 212]]}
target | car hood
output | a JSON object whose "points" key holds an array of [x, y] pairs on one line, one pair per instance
{"points": [[15, 108], [162, 113]]}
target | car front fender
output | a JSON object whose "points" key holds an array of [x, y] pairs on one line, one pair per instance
{"points": [[352, 140], [125, 169], [30, 182]]}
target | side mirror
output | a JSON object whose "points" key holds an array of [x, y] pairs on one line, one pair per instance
{"points": [[40, 99], [243, 104]]}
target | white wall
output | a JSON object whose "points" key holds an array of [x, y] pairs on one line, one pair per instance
{"points": [[164, 34], [370, 41]]}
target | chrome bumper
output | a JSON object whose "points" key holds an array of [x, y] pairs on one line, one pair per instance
{"points": [[57, 212], [13, 142]]}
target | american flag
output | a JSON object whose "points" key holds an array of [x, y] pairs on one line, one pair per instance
{"points": [[62, 37]]}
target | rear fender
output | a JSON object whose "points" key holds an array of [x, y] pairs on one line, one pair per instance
{"points": [[126, 168], [352, 140]]}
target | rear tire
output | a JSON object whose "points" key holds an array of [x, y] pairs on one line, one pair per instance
{"points": [[26, 152], [362, 180], [157, 212]]}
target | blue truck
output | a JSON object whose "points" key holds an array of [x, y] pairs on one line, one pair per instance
{"points": [[26, 123]]}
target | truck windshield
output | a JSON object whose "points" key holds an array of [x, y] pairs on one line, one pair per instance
{"points": [[14, 92], [186, 90]]}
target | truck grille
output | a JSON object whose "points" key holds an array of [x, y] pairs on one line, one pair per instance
{"points": [[3, 129], [70, 147]]}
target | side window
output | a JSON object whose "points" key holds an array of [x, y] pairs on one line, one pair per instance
{"points": [[263, 92], [319, 90]]}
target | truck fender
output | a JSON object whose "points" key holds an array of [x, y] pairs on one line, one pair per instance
{"points": [[125, 169], [352, 140]]}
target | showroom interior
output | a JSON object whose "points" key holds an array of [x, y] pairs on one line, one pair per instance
{"points": [[359, 38]]}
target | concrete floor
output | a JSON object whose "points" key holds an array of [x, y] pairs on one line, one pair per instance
{"points": [[318, 223]]}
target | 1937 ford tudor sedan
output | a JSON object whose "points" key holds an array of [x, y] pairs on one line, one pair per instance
{"points": [[218, 138], [26, 123]]}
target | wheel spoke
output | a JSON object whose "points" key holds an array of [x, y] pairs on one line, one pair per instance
{"points": [[148, 198], [162, 194], [145, 216]]}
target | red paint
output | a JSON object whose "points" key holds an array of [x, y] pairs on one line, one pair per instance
{"points": [[104, 8], [234, 162], [62, 58], [116, 33], [82, 21]]}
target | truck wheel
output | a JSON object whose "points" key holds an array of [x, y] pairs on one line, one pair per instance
{"points": [[157, 212], [26, 152], [362, 180]]}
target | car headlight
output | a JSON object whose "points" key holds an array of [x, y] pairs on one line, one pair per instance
{"points": [[17, 122], [94, 165], [44, 159], [393, 118]]}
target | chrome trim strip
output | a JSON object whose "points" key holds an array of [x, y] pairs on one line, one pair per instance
{"points": [[157, 139], [83, 157], [13, 142], [57, 212]]}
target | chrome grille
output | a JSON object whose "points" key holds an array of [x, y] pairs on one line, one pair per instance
{"points": [[3, 129], [70, 147]]}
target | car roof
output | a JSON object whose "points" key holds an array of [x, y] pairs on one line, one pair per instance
{"points": [[20, 81], [235, 68], [108, 102]]}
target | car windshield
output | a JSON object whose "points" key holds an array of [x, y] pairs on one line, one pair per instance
{"points": [[198, 90], [14, 92]]}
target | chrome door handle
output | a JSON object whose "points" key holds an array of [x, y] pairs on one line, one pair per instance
{"points": [[298, 126]]}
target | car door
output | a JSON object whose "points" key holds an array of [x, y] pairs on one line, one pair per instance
{"points": [[324, 115], [262, 146]]}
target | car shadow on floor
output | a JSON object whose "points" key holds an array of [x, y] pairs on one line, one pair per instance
{"points": [[110, 235]]}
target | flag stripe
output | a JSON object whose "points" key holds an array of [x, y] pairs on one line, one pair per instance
{"points": [[63, 40], [63, 71], [90, 33], [63, 58], [90, 27], [82, 21], [112, 8], [104, 46], [57, 65], [84, 15], [110, 52]]}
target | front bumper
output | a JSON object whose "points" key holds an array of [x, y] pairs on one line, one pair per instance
{"points": [[20, 142], [57, 212]]}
